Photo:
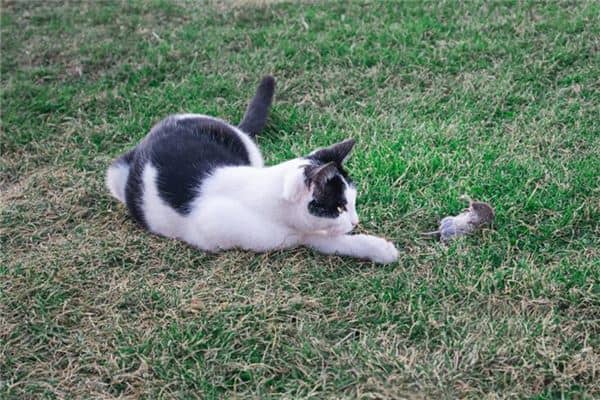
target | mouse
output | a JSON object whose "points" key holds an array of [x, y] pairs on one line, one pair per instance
{"points": [[477, 215]]}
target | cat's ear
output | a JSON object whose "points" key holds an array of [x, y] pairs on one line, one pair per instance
{"points": [[294, 185], [337, 152], [320, 174]]}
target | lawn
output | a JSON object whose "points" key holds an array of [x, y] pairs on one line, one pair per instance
{"points": [[500, 101]]}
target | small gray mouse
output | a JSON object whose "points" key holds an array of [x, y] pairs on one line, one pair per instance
{"points": [[478, 214]]}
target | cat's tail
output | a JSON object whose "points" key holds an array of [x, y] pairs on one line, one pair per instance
{"points": [[255, 117], [117, 174]]}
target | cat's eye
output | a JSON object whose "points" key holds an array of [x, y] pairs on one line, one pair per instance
{"points": [[341, 209]]}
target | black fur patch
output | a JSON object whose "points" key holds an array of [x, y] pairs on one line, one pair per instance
{"points": [[329, 197], [255, 117], [336, 152], [317, 161], [184, 152], [134, 188]]}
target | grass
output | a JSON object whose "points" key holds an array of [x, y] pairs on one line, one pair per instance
{"points": [[496, 100]]}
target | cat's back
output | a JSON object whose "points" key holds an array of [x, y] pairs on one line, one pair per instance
{"points": [[202, 136], [183, 150]]}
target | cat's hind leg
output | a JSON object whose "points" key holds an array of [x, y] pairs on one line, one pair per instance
{"points": [[117, 174]]}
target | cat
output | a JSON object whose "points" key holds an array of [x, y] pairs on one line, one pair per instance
{"points": [[201, 180]]}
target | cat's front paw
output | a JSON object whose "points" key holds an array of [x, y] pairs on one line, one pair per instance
{"points": [[380, 250]]}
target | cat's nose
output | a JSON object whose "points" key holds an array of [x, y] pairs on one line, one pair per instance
{"points": [[354, 222]]}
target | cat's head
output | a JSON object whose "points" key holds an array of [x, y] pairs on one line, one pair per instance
{"points": [[321, 192]]}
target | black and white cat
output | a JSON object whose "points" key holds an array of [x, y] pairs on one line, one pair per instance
{"points": [[201, 180]]}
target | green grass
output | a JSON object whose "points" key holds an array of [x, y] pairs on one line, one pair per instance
{"points": [[499, 100]]}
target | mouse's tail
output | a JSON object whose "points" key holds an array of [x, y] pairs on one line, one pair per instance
{"points": [[432, 233]]}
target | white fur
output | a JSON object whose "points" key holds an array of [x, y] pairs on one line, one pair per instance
{"points": [[254, 208], [361, 246], [160, 217], [116, 179]]}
